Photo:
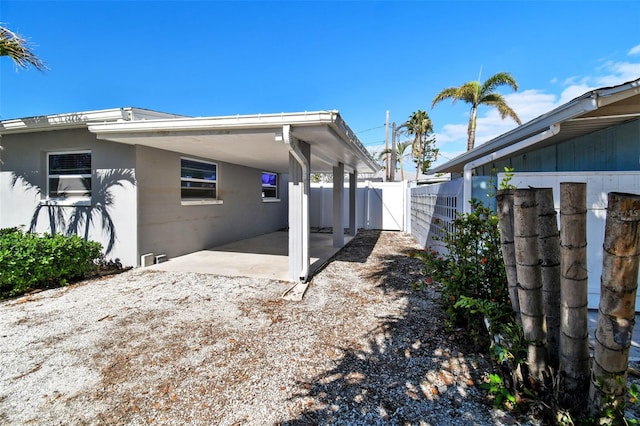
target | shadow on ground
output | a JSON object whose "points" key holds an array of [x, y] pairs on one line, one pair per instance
{"points": [[409, 370]]}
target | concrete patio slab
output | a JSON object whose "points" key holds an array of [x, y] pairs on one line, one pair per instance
{"points": [[264, 256]]}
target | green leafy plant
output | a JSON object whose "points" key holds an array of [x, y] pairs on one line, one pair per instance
{"points": [[505, 183], [471, 267], [29, 261], [502, 397], [508, 176], [613, 412]]}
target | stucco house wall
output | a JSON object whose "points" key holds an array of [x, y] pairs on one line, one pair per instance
{"points": [[167, 226], [110, 218], [135, 206]]}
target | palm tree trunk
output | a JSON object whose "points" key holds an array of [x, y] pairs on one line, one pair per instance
{"points": [[471, 131], [504, 198], [574, 335], [549, 252], [618, 287], [530, 282]]}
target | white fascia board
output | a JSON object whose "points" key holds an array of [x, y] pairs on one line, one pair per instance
{"points": [[353, 141], [275, 121], [614, 94], [58, 121], [79, 119], [148, 114], [331, 119]]}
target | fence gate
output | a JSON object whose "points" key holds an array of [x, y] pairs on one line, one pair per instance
{"points": [[379, 205]]}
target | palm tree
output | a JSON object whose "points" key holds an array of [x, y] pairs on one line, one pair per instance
{"points": [[419, 125], [401, 153], [478, 94], [17, 48]]}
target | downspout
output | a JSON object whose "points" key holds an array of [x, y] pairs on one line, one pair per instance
{"points": [[553, 130], [294, 150]]}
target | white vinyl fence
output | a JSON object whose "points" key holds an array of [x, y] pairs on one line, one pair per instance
{"points": [[379, 205], [433, 208], [599, 184], [432, 211]]}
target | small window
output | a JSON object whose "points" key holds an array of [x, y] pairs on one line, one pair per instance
{"points": [[198, 180], [269, 185], [69, 175]]}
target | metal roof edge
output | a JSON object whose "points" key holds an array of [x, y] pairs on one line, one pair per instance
{"points": [[355, 141], [230, 121], [78, 119], [589, 101]]}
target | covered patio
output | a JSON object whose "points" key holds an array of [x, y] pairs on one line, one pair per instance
{"points": [[292, 144]]}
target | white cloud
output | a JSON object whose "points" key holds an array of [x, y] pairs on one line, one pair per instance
{"points": [[530, 104], [572, 91], [451, 133]]}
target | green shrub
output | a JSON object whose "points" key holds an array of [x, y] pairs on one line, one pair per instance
{"points": [[471, 269], [29, 261]]}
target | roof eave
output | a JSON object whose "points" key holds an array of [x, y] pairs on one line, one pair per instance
{"points": [[575, 108], [76, 120]]}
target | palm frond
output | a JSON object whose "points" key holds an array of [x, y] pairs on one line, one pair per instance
{"points": [[499, 79], [17, 48], [448, 93]]}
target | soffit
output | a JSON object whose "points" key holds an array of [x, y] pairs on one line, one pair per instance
{"points": [[261, 148]]}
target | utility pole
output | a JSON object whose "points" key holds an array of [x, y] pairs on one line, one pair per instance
{"points": [[386, 144], [394, 154]]}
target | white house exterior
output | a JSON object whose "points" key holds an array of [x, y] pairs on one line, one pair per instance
{"points": [[140, 181], [594, 138]]}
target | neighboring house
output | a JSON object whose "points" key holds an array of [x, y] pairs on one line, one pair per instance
{"points": [[140, 181], [594, 138]]}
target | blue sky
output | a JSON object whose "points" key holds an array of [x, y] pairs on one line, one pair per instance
{"points": [[362, 58]]}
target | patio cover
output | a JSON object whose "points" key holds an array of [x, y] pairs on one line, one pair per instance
{"points": [[293, 143]]}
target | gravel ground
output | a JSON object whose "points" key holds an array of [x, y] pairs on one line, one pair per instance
{"points": [[150, 347]]}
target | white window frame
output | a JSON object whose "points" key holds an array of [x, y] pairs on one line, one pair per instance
{"points": [[276, 187], [69, 199], [200, 201]]}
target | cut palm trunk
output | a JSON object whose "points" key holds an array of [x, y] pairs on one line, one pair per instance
{"points": [[549, 252], [574, 331], [504, 198], [619, 282], [530, 283]]}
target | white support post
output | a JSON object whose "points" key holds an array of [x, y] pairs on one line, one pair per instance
{"points": [[353, 189], [338, 210], [299, 177]]}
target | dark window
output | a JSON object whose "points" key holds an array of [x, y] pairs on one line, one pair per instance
{"points": [[198, 180], [269, 185]]}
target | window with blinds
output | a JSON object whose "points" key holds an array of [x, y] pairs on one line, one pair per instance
{"points": [[69, 175]]}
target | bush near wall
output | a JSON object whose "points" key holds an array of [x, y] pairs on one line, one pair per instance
{"points": [[29, 261]]}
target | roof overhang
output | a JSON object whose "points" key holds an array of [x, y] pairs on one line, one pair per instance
{"points": [[591, 112], [250, 140], [78, 120]]}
